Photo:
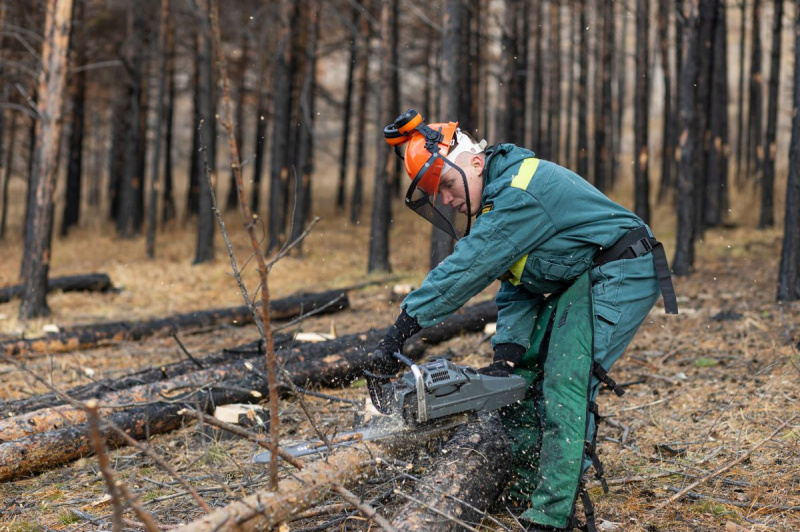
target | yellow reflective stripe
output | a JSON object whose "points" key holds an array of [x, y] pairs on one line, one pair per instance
{"points": [[516, 270], [526, 171]]}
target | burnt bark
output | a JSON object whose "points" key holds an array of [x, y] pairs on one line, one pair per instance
{"points": [[554, 109], [207, 154], [167, 197], [466, 478], [39, 218], [683, 262], [341, 188], [740, 131], [357, 197], [90, 282], [755, 99], [767, 216], [232, 200], [72, 200], [668, 136], [378, 260], [789, 270], [641, 114], [583, 136], [260, 142], [716, 196], [94, 335], [7, 167]]}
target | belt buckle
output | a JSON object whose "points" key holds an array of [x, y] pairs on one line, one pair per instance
{"points": [[641, 247]]}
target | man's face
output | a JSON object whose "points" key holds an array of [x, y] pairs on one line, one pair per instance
{"points": [[451, 185]]}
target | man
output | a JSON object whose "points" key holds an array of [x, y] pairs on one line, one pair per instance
{"points": [[578, 272]]}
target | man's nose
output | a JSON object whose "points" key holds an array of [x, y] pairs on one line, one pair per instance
{"points": [[446, 198]]}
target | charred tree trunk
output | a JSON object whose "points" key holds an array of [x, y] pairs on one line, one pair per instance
{"points": [[129, 216], [755, 105], [767, 217], [281, 116], [232, 200], [195, 160], [602, 108], [572, 23], [7, 168], [305, 154], [461, 483], [683, 262], [716, 197], [451, 86], [341, 188], [618, 105], [207, 154], [357, 198], [583, 137], [152, 207], [554, 105], [168, 197], [789, 270], [260, 142], [539, 135], [740, 131], [668, 138], [39, 221], [641, 110], [378, 260], [72, 201], [92, 336], [511, 117], [93, 282]]}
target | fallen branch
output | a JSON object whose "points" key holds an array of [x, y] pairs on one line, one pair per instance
{"points": [[89, 282], [94, 335]]}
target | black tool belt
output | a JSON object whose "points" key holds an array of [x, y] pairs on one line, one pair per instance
{"points": [[634, 244]]}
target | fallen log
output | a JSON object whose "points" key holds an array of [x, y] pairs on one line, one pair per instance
{"points": [[94, 335], [96, 388], [231, 383], [89, 282], [464, 481], [265, 510]]}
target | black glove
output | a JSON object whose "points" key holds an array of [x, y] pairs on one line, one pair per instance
{"points": [[503, 354], [383, 360]]}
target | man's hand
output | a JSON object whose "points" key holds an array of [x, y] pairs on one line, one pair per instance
{"points": [[499, 368], [383, 360]]}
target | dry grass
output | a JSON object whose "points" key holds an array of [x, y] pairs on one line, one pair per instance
{"points": [[707, 388]]}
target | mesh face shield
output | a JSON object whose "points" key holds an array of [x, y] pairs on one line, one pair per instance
{"points": [[424, 204]]}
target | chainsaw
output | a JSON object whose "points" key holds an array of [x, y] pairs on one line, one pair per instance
{"points": [[428, 397]]}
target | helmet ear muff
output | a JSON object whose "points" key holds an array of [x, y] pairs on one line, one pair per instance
{"points": [[398, 132]]}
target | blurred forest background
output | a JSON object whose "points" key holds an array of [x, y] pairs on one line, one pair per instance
{"points": [[113, 109]]}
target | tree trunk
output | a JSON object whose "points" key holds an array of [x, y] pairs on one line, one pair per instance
{"points": [[572, 24], [39, 222], [232, 201], [602, 107], [92, 336], [683, 262], [341, 188], [357, 198], [539, 135], [451, 86], [72, 201], [195, 160], [668, 136], [378, 260], [789, 270], [618, 102], [767, 217], [281, 116], [305, 154], [583, 137], [152, 208], [262, 111], [468, 475], [716, 197], [92, 282], [128, 215], [207, 158], [755, 105], [511, 104], [642, 97], [168, 197], [554, 106], [7, 167], [740, 131]]}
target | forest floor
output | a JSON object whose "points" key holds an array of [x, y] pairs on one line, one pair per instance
{"points": [[703, 387]]}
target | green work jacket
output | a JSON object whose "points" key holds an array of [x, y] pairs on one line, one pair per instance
{"points": [[539, 228]]}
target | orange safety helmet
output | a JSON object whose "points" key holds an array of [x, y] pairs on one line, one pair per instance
{"points": [[427, 146]]}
